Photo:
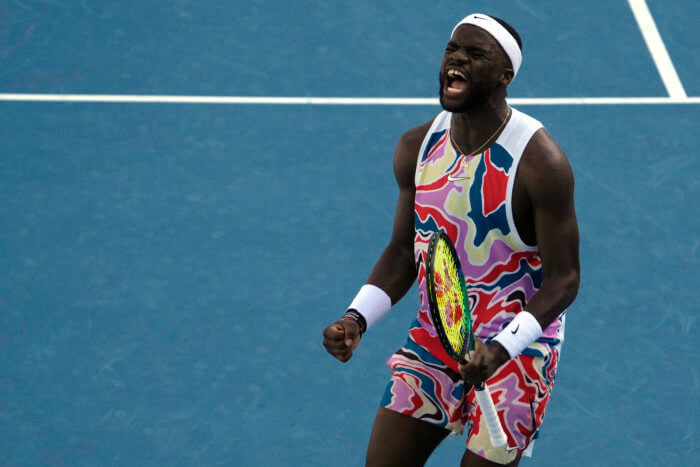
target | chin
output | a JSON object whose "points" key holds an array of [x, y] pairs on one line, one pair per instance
{"points": [[450, 106], [473, 99], [477, 95], [466, 103]]}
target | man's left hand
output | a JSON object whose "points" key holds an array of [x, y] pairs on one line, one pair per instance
{"points": [[485, 360]]}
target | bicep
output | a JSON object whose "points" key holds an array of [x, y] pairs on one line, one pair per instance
{"points": [[405, 160], [558, 240], [394, 272], [551, 193]]}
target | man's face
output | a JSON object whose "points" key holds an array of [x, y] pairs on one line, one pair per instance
{"points": [[471, 69]]}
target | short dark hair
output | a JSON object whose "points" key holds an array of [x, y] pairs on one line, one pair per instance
{"points": [[511, 30]]}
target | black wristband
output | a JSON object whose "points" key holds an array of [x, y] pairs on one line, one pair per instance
{"points": [[355, 315]]}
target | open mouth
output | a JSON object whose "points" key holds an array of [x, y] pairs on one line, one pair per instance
{"points": [[455, 82]]}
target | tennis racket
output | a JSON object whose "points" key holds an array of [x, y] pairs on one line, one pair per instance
{"points": [[449, 307]]}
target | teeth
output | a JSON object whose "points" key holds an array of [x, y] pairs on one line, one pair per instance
{"points": [[455, 73]]}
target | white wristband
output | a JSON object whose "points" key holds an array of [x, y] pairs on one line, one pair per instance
{"points": [[521, 332], [372, 303]]}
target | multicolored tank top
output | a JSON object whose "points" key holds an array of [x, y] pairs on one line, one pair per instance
{"points": [[470, 198]]}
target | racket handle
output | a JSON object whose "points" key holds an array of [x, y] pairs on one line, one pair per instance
{"points": [[488, 410]]}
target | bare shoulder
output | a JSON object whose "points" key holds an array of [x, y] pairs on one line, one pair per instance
{"points": [[413, 138], [545, 168], [406, 153], [543, 153]]}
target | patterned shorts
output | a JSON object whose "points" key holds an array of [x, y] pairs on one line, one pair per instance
{"points": [[425, 388]]}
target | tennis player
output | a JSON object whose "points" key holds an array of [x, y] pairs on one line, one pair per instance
{"points": [[497, 183]]}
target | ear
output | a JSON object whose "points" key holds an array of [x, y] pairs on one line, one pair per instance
{"points": [[506, 77]]}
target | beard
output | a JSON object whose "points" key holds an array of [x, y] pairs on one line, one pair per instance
{"points": [[476, 95]]}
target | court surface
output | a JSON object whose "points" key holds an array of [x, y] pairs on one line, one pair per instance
{"points": [[166, 269]]}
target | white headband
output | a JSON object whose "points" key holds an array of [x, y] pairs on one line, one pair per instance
{"points": [[501, 34]]}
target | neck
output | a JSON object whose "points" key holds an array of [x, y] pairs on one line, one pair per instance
{"points": [[480, 125]]}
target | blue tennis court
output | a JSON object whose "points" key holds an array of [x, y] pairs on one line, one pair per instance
{"points": [[166, 269]]}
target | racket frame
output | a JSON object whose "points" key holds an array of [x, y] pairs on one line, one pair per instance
{"points": [[466, 328], [481, 390]]}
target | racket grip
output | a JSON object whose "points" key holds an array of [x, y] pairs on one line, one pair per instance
{"points": [[488, 410]]}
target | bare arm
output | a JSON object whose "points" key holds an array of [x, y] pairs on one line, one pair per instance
{"points": [[395, 270], [544, 193], [549, 183]]}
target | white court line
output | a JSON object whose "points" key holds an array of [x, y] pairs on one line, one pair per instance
{"points": [[674, 87], [656, 46], [169, 99]]}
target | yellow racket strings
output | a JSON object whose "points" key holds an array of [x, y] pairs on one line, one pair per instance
{"points": [[449, 295]]}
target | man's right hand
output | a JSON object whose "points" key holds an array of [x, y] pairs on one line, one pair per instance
{"points": [[342, 338]]}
